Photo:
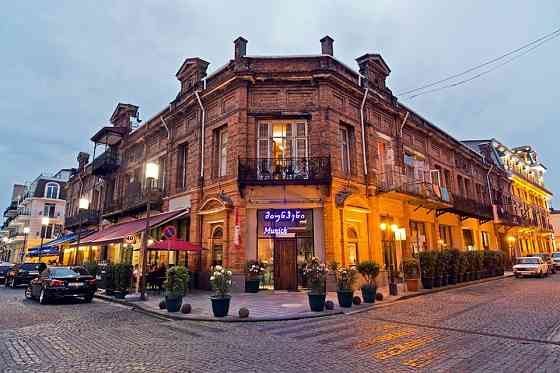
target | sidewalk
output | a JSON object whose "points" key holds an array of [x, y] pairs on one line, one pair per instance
{"points": [[274, 305]]}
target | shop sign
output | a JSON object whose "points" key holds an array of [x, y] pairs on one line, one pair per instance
{"points": [[284, 222], [284, 215]]}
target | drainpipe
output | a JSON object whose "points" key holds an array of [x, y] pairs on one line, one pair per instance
{"points": [[364, 134], [203, 131], [403, 123], [488, 182]]}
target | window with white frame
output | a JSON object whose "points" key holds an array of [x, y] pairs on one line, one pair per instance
{"points": [[49, 210], [345, 137], [51, 190], [220, 151]]}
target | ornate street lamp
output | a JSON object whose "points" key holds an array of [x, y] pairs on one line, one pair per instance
{"points": [[152, 174], [83, 205], [44, 224]]}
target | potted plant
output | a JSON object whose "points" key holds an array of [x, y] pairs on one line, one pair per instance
{"points": [[316, 274], [91, 267], [255, 270], [463, 264], [489, 263], [437, 269], [175, 286], [122, 274], [427, 268], [345, 278], [369, 270], [221, 283], [410, 266], [445, 259], [479, 260], [500, 263], [452, 265]]}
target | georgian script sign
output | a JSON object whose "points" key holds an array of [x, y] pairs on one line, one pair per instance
{"points": [[284, 222], [284, 215]]}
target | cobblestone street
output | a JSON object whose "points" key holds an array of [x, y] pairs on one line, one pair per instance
{"points": [[507, 325]]}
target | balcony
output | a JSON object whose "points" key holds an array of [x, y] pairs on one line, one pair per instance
{"points": [[416, 189], [107, 163], [469, 208], [88, 217], [275, 171], [134, 200], [505, 214]]}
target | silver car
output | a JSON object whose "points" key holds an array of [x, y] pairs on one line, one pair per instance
{"points": [[530, 266]]}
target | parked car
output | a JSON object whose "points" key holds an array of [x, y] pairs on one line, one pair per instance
{"points": [[24, 273], [530, 266], [548, 260], [5, 267], [61, 282], [556, 260]]}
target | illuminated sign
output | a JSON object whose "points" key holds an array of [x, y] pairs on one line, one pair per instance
{"points": [[284, 215], [285, 222], [269, 231]]}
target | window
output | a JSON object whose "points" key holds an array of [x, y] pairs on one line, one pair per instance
{"points": [[345, 142], [161, 177], [445, 236], [49, 210], [217, 246], [220, 151], [485, 238], [47, 231], [468, 238], [418, 240], [51, 190], [182, 165]]}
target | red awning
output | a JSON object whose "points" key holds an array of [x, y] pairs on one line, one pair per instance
{"points": [[174, 245], [118, 232]]}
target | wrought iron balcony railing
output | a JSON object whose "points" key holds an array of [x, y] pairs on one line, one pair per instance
{"points": [[472, 208], [271, 171], [418, 185], [88, 217], [107, 163], [135, 198]]}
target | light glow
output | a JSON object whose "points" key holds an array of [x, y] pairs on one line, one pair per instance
{"points": [[152, 170], [83, 204], [45, 220]]}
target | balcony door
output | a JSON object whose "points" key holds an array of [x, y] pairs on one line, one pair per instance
{"points": [[282, 149]]}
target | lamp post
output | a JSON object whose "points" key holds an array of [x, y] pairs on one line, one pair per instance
{"points": [[44, 224], [152, 174], [26, 231], [511, 242], [83, 205]]}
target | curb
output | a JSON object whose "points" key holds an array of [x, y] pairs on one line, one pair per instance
{"points": [[171, 316]]}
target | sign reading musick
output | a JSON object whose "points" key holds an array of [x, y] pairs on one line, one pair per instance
{"points": [[284, 222]]}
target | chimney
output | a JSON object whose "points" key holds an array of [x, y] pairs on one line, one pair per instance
{"points": [[240, 47], [327, 45], [83, 159], [374, 69]]}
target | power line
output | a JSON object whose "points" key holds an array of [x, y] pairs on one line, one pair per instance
{"points": [[541, 40], [481, 73]]}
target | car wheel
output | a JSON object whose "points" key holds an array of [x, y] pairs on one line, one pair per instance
{"points": [[43, 298], [88, 298], [28, 294]]}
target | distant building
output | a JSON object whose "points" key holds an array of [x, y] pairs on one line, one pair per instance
{"points": [[555, 221]]}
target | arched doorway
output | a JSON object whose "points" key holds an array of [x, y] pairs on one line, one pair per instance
{"points": [[217, 246]]}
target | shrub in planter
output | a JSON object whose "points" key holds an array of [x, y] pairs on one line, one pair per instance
{"points": [[427, 268], [345, 279], [255, 270], [369, 270], [186, 308], [490, 263], [108, 279], [91, 267], [410, 266], [315, 273], [379, 297], [453, 265], [221, 283], [463, 262], [122, 277], [175, 286], [500, 263]]}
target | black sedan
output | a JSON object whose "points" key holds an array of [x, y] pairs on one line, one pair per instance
{"points": [[61, 282], [5, 267], [24, 273]]}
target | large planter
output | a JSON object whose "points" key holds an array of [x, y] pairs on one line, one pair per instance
{"points": [[173, 303], [437, 281], [427, 282], [444, 280], [478, 275], [317, 302], [412, 284], [345, 298], [220, 305], [368, 293], [452, 279], [252, 285]]}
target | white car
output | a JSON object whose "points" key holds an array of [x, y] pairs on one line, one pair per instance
{"points": [[556, 260], [530, 266]]}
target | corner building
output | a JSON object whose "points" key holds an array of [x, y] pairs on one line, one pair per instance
{"points": [[282, 158]]}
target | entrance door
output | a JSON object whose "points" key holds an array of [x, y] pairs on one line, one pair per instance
{"points": [[285, 275]]}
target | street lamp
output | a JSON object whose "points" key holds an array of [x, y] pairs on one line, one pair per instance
{"points": [[511, 242], [26, 231], [44, 223], [83, 205], [152, 174]]}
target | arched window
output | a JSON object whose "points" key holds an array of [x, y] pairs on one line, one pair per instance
{"points": [[217, 246], [51, 190]]}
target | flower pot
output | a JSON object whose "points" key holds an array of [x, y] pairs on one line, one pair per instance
{"points": [[478, 275], [173, 303], [437, 281], [252, 285], [444, 280], [317, 302], [427, 282], [469, 276], [345, 298], [411, 284], [368, 293], [452, 279], [220, 305]]}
